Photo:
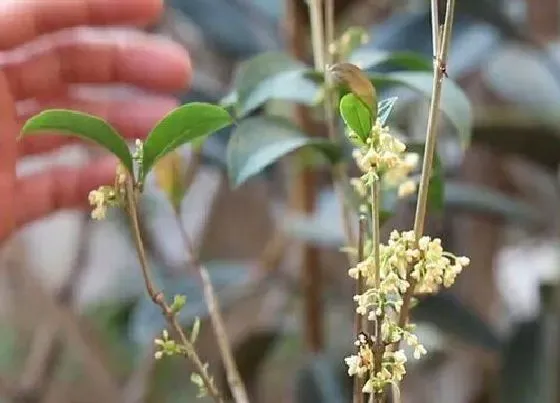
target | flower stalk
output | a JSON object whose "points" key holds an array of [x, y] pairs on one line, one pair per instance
{"points": [[409, 263], [131, 197], [234, 380], [441, 39]]}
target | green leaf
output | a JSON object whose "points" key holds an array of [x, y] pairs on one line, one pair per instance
{"points": [[67, 122], [452, 317], [185, 124], [488, 201], [368, 59], [384, 109], [259, 142], [454, 103], [356, 115], [271, 76]]}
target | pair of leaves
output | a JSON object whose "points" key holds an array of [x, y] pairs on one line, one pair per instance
{"points": [[185, 124]]}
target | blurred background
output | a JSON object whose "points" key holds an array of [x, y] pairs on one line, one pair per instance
{"points": [[77, 326]]}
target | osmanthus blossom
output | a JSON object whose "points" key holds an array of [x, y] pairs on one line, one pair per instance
{"points": [[404, 262]]}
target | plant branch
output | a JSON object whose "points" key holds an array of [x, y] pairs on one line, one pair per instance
{"points": [[376, 240], [440, 62], [158, 297], [359, 320], [317, 33], [339, 170], [303, 187], [235, 382]]}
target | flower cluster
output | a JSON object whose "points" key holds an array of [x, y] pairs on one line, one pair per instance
{"points": [[167, 346], [108, 196], [101, 199], [404, 263], [384, 156]]}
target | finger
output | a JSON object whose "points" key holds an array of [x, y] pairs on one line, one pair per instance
{"points": [[23, 20], [132, 119], [142, 61], [60, 188], [8, 152]]}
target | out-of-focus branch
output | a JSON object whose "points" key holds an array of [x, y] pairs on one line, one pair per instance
{"points": [[96, 368], [47, 348]]}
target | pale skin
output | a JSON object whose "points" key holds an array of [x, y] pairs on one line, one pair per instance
{"points": [[46, 77]]}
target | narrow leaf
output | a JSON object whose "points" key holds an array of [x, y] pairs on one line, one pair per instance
{"points": [[259, 142], [67, 122], [356, 115], [185, 124], [384, 109]]}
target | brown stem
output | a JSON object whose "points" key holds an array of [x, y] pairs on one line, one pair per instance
{"points": [[339, 171], [235, 382], [440, 62], [158, 297], [302, 193]]}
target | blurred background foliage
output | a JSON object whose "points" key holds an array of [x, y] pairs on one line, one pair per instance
{"points": [[77, 326]]}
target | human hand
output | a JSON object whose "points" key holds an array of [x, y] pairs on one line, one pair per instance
{"points": [[46, 74]]}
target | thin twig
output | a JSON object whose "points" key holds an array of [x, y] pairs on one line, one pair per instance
{"points": [[375, 230], [303, 190], [359, 320], [158, 297], [376, 240], [440, 62], [317, 33], [235, 382], [339, 170], [435, 27]]}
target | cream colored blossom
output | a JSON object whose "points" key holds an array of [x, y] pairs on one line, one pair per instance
{"points": [[406, 188], [353, 363], [100, 199]]}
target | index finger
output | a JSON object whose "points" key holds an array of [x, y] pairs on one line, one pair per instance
{"points": [[23, 20]]}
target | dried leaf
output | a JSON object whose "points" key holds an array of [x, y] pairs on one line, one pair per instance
{"points": [[358, 82], [170, 178]]}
